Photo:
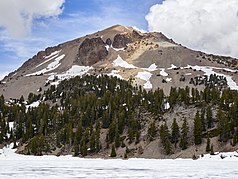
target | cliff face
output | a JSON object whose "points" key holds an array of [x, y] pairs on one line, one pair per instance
{"points": [[91, 51]]}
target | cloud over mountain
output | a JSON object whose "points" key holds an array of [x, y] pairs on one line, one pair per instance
{"points": [[16, 16], [211, 26]]}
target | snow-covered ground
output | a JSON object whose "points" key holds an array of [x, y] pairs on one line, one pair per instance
{"points": [[146, 77], [163, 73], [210, 70], [74, 71], [52, 66], [49, 167], [122, 63], [114, 73]]}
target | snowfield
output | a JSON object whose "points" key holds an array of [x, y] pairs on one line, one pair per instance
{"points": [[114, 73], [122, 63], [50, 167], [146, 77], [209, 70], [74, 71], [52, 66]]}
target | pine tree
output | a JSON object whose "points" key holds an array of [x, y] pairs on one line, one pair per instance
{"points": [[152, 131], [184, 135], [197, 131], [175, 133], [113, 151], [165, 138], [223, 126], [209, 117], [83, 147]]}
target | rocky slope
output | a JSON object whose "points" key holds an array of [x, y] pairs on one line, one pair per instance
{"points": [[149, 59]]}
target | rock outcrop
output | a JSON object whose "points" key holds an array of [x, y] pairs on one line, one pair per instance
{"points": [[91, 51]]}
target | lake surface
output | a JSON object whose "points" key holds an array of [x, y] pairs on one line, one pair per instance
{"points": [[50, 167]]}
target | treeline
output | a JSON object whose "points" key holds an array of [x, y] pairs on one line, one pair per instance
{"points": [[72, 115]]}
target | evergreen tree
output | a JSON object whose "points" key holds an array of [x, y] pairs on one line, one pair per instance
{"points": [[152, 131], [223, 126], [175, 133], [209, 117], [113, 151], [197, 131], [184, 135], [165, 138]]}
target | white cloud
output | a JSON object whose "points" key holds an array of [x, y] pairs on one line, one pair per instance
{"points": [[16, 16], [211, 26]]}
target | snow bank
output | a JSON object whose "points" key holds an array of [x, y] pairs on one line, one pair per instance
{"points": [[209, 70], [52, 66], [74, 71], [118, 49], [152, 67], [172, 67], [122, 63], [114, 73], [146, 77], [163, 73], [51, 57]]}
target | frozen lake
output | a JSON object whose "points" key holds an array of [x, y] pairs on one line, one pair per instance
{"points": [[18, 166]]}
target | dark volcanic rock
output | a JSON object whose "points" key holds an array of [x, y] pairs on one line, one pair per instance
{"points": [[121, 40], [91, 51], [39, 57], [109, 42]]}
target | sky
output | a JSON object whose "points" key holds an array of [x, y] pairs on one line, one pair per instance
{"points": [[28, 26]]}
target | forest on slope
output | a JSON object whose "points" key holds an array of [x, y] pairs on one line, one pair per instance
{"points": [[89, 115]]}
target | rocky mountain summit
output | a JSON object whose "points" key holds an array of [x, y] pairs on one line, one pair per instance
{"points": [[149, 59]]}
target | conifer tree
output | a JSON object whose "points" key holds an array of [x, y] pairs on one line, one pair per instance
{"points": [[165, 138], [113, 151], [197, 131], [209, 117], [152, 131], [184, 135], [175, 133]]}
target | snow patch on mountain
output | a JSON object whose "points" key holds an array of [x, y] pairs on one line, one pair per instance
{"points": [[51, 57], [172, 67], [114, 73], [52, 66], [146, 77], [152, 67], [74, 71], [122, 63], [118, 49], [209, 71], [163, 73]]}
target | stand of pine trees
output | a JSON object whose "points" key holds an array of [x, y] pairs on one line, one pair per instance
{"points": [[72, 115]]}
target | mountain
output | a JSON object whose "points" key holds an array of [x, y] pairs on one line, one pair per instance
{"points": [[150, 59], [137, 94]]}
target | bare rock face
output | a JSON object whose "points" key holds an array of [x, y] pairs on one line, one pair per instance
{"points": [[39, 57], [121, 41], [109, 42], [91, 51]]}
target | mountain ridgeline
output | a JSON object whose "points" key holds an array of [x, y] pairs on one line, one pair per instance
{"points": [[122, 93], [98, 116]]}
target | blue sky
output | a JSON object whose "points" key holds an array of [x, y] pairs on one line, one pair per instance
{"points": [[32, 25], [78, 18]]}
